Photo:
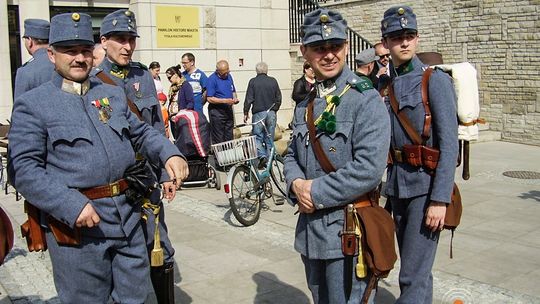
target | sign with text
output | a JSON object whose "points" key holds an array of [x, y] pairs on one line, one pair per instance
{"points": [[177, 27]]}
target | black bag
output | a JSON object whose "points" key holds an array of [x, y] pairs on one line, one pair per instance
{"points": [[198, 170]]}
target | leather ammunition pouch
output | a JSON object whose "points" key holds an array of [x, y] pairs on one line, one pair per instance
{"points": [[32, 230], [417, 156]]}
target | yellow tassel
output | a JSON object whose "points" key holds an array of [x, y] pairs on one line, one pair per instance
{"points": [[156, 256], [361, 269]]}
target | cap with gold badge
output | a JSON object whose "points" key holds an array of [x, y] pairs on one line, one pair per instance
{"points": [[71, 29], [398, 19], [121, 21], [323, 25]]}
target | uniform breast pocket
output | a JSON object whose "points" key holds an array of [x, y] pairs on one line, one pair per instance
{"points": [[119, 124], [410, 100], [68, 135], [337, 145], [146, 103]]}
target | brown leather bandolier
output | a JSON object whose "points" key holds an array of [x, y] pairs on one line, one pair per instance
{"points": [[417, 154], [106, 79], [376, 253]]}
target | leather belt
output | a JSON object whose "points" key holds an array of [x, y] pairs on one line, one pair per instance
{"points": [[362, 202], [110, 190], [397, 155]]}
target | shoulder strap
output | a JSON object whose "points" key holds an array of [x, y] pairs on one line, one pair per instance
{"points": [[317, 148], [404, 120], [106, 79]]}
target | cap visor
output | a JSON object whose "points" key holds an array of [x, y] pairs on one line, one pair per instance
{"points": [[121, 33], [73, 42], [323, 42]]}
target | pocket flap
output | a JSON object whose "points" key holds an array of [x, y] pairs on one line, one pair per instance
{"points": [[68, 133]]}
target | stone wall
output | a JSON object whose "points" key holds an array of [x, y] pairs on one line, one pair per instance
{"points": [[501, 38]]}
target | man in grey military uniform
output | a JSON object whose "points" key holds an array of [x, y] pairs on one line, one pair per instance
{"points": [[418, 197], [356, 145], [365, 60], [118, 38], [78, 146], [39, 69]]}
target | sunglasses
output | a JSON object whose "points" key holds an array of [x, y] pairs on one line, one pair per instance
{"points": [[384, 56]]}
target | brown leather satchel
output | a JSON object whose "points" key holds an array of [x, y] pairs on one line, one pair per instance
{"points": [[6, 235], [32, 230], [376, 224]]}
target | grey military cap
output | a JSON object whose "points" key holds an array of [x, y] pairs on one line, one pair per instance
{"points": [[71, 29], [398, 19], [366, 56], [323, 25], [120, 21], [36, 28]]}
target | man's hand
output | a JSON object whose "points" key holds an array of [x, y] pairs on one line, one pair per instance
{"points": [[88, 217], [302, 189], [177, 169], [169, 190], [246, 117], [382, 71], [435, 216]]}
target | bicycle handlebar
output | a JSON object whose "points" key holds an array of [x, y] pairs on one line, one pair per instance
{"points": [[258, 121]]}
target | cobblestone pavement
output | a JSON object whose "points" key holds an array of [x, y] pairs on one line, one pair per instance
{"points": [[27, 277]]}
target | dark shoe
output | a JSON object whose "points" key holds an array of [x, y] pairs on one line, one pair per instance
{"points": [[262, 163]]}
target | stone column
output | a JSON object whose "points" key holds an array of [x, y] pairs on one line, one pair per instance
{"points": [[6, 99]]}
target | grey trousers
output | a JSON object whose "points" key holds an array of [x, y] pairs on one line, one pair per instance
{"points": [[101, 267], [325, 281], [417, 249]]}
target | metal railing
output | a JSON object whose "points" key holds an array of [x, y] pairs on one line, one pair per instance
{"points": [[297, 10]]}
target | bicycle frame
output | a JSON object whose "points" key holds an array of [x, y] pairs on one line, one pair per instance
{"points": [[262, 176]]}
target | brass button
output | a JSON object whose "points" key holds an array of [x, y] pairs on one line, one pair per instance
{"points": [[75, 17]]}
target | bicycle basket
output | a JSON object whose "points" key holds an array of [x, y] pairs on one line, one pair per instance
{"points": [[235, 151]]}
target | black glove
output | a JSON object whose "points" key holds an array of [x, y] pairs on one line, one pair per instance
{"points": [[140, 179]]}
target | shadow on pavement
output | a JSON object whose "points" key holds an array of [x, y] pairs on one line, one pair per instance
{"points": [[271, 290], [533, 194]]}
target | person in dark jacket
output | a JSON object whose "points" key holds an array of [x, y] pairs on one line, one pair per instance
{"points": [[263, 93], [302, 86]]}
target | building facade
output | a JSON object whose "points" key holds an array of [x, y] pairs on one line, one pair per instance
{"points": [[243, 32]]}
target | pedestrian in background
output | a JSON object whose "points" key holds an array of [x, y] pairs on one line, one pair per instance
{"points": [[303, 85], [197, 79], [221, 94], [365, 60], [39, 68], [262, 94]]}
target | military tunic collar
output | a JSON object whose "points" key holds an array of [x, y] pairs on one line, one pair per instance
{"points": [[115, 69], [406, 68], [71, 87]]}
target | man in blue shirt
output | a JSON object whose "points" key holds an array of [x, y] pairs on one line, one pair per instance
{"points": [[197, 79], [221, 94]]}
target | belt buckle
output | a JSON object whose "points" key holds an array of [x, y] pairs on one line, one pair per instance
{"points": [[115, 188], [399, 156]]}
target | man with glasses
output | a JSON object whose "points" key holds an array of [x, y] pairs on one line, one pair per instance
{"points": [[118, 38], [418, 196], [380, 73], [39, 69], [197, 79], [354, 133], [221, 96]]}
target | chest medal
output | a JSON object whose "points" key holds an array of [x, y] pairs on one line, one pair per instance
{"points": [[104, 109]]}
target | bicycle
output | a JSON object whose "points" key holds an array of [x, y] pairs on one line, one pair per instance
{"points": [[247, 186]]}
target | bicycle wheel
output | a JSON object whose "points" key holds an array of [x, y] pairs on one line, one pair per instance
{"points": [[245, 204], [277, 174]]}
